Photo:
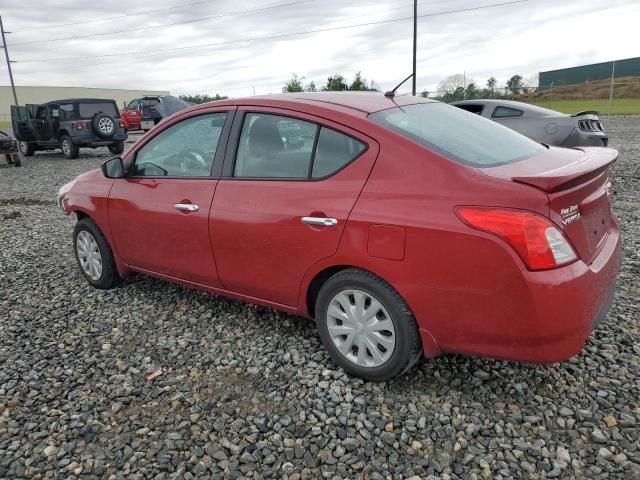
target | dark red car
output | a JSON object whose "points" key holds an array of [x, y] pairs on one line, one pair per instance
{"points": [[403, 226]]}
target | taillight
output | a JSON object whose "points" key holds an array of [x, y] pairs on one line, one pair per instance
{"points": [[78, 125], [121, 124], [535, 238]]}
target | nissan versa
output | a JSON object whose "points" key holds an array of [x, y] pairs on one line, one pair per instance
{"points": [[405, 227]]}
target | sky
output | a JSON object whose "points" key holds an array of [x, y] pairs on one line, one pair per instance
{"points": [[241, 48]]}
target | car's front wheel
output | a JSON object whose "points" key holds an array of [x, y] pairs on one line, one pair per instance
{"points": [[94, 255], [117, 147], [366, 326], [69, 149], [26, 148]]}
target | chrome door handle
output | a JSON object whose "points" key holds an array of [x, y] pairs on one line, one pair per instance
{"points": [[322, 221], [186, 207]]}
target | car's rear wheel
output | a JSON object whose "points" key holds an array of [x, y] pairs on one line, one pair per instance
{"points": [[69, 149], [26, 148], [117, 147], [94, 255], [366, 326]]}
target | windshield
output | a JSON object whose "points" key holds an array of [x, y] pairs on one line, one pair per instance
{"points": [[88, 110], [457, 134]]}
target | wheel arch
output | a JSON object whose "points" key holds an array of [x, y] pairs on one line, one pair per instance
{"points": [[63, 132]]}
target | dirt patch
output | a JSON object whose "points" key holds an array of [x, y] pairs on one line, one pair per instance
{"points": [[11, 215]]}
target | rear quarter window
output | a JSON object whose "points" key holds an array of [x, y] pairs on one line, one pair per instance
{"points": [[458, 135], [506, 112]]}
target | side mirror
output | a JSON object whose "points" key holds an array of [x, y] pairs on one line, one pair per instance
{"points": [[113, 168]]}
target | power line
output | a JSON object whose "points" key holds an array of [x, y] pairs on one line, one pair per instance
{"points": [[124, 15], [200, 19], [153, 27], [267, 37]]}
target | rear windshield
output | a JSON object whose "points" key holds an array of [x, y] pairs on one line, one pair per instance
{"points": [[150, 102], [88, 110], [459, 135]]}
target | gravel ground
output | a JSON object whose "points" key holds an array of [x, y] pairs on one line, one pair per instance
{"points": [[250, 393]]}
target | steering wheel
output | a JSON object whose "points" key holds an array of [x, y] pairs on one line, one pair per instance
{"points": [[191, 159]]}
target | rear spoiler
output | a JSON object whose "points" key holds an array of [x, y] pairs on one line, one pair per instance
{"points": [[594, 161], [586, 112]]}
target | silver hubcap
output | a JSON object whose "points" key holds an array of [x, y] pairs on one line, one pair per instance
{"points": [[89, 255], [361, 328], [105, 125], [23, 147], [66, 148]]}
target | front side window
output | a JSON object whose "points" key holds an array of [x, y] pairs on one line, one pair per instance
{"points": [[453, 133], [88, 110], [185, 149], [506, 112], [273, 146], [133, 105]]}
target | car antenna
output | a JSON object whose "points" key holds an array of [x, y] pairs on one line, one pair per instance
{"points": [[392, 93]]}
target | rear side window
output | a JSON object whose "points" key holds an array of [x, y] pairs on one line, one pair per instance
{"points": [[88, 110], [452, 132], [506, 112], [66, 112], [274, 146]]}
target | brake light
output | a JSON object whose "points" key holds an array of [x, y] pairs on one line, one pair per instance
{"points": [[535, 238], [78, 125], [121, 124]]}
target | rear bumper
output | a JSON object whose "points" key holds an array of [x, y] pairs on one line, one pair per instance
{"points": [[540, 317], [578, 138]]}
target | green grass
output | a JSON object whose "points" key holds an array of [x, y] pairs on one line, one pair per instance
{"points": [[5, 125], [622, 106]]}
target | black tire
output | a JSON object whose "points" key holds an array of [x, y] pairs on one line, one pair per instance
{"points": [[26, 148], [408, 346], [17, 161], [109, 277], [9, 158], [104, 125], [69, 149], [117, 147]]}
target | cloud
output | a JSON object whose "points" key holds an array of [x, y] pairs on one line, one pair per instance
{"points": [[522, 38]]}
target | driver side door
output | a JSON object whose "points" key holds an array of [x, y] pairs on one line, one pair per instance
{"points": [[159, 213], [38, 122]]}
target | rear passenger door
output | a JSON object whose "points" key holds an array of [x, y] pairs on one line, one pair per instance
{"points": [[289, 183]]}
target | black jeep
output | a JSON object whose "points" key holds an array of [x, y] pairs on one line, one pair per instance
{"points": [[68, 124]]}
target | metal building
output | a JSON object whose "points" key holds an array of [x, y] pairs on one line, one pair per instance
{"points": [[629, 67]]}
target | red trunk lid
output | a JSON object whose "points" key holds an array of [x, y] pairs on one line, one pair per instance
{"points": [[576, 181]]}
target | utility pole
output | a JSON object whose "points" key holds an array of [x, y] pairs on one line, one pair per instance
{"points": [[415, 42], [6, 54]]}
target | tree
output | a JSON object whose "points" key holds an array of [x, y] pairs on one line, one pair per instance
{"points": [[202, 98], [311, 87], [360, 84], [424, 94], [491, 85], [515, 84], [471, 92], [293, 85], [450, 84], [335, 83]]}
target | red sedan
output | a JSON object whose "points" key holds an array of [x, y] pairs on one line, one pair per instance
{"points": [[403, 226]]}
